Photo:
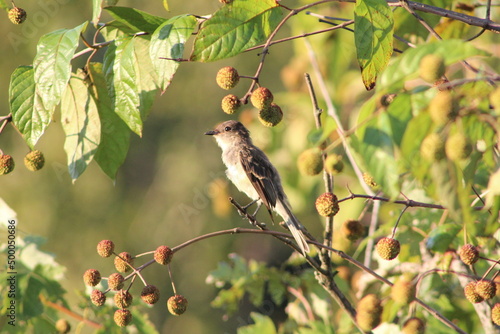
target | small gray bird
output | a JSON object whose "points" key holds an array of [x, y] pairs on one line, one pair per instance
{"points": [[252, 173]]}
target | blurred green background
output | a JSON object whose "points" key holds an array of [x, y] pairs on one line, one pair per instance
{"points": [[170, 188]]}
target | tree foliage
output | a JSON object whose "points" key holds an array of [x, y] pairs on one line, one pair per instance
{"points": [[432, 166]]}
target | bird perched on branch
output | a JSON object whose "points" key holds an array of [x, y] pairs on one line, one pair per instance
{"points": [[251, 172]]}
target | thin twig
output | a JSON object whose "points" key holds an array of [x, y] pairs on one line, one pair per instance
{"points": [[328, 233], [468, 19], [72, 314], [5, 120]]}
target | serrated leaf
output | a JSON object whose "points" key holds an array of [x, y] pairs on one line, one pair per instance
{"points": [[120, 72], [374, 23], [28, 114], [80, 122], [135, 19], [96, 11], [168, 42], [234, 28], [115, 134], [52, 63], [405, 67]]}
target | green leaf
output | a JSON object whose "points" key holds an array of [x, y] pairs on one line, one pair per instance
{"points": [[80, 122], [115, 134], [374, 143], [168, 42], [405, 67], [263, 325], [116, 31], [146, 78], [406, 25], [441, 237], [136, 19], [374, 23], [418, 127], [28, 113], [52, 63], [165, 5], [318, 136], [30, 288], [234, 28], [96, 11], [120, 71], [399, 112]]}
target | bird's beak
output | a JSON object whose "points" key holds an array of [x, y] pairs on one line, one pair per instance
{"points": [[211, 132]]}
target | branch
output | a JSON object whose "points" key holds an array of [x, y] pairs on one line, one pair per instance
{"points": [[72, 314], [5, 120], [468, 19]]}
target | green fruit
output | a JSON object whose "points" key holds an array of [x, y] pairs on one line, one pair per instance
{"points": [[403, 291], [150, 294], [432, 148], [471, 294], [468, 254], [495, 314], [63, 326], [163, 255], [271, 116], [227, 77], [34, 160], [230, 104], [495, 99], [388, 248], [17, 15], [334, 164], [177, 304], [413, 326], [121, 262], [122, 317], [327, 205], [115, 281], [123, 299], [443, 108], [352, 229], [368, 312], [370, 181], [98, 298], [261, 98], [486, 289], [457, 147], [92, 277], [431, 68], [105, 248], [6, 164], [310, 162]]}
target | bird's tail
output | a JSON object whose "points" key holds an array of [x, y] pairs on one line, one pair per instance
{"points": [[293, 224]]}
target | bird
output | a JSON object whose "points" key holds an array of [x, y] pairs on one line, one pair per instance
{"points": [[250, 170]]}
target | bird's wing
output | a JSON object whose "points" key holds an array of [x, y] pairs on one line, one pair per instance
{"points": [[260, 173]]}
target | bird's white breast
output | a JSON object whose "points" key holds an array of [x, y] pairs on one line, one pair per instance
{"points": [[239, 178]]}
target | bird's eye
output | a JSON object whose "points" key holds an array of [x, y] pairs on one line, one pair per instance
{"points": [[227, 128]]}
